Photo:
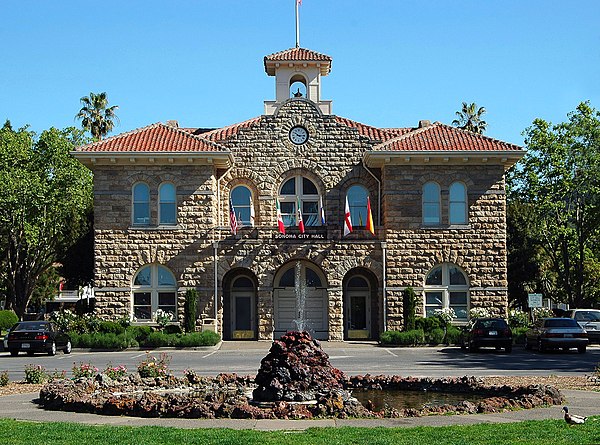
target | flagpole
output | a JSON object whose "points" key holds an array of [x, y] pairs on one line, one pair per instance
{"points": [[297, 2]]}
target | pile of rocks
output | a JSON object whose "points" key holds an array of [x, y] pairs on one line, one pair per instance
{"points": [[296, 369]]}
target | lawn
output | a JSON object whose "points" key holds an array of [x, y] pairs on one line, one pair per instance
{"points": [[545, 432]]}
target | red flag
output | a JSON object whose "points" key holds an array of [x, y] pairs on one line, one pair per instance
{"points": [[280, 219], [299, 217], [370, 227], [232, 219], [347, 221]]}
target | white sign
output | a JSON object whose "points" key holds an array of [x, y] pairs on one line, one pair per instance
{"points": [[535, 300]]}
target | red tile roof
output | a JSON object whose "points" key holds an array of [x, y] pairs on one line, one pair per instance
{"points": [[441, 137], [301, 54], [220, 134], [374, 133], [297, 55], [153, 138]]}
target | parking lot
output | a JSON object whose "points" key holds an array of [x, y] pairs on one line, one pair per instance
{"points": [[352, 358]]}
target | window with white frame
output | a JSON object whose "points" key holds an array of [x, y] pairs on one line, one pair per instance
{"points": [[241, 198], [295, 191], [446, 286], [141, 204], [357, 201], [167, 204], [457, 208], [431, 204], [154, 287]]}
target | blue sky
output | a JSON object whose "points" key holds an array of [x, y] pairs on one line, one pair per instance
{"points": [[394, 62]]}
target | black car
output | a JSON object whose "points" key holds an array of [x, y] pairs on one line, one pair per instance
{"points": [[37, 336], [492, 332]]}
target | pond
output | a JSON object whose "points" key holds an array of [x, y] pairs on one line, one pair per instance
{"points": [[403, 399]]}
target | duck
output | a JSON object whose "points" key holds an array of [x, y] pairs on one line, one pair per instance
{"points": [[573, 419]]}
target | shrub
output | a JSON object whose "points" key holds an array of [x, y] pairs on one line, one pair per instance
{"points": [[453, 335], [111, 327], [140, 333], [206, 338], [4, 378], [153, 367], [158, 339], [190, 311], [7, 320], [409, 307], [97, 340], [65, 319], [406, 338], [435, 336], [518, 319], [84, 370], [35, 374], [519, 335], [428, 324], [541, 312], [480, 312], [163, 318]]}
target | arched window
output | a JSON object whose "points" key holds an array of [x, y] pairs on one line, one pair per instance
{"points": [[309, 277], [154, 287], [167, 204], [295, 191], [241, 198], [458, 203], [357, 200], [446, 286], [141, 204], [431, 203]]}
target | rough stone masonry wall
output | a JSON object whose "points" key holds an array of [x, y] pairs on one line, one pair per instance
{"points": [[479, 247], [121, 249]]}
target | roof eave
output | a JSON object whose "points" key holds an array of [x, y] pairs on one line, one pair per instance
{"points": [[218, 159], [379, 159]]}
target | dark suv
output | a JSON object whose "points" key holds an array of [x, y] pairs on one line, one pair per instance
{"points": [[492, 332]]}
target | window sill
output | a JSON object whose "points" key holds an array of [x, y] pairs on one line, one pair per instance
{"points": [[445, 226], [162, 227]]}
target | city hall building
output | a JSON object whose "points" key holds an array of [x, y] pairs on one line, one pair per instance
{"points": [[167, 199]]}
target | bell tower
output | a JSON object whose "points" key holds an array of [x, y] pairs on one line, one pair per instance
{"points": [[298, 73]]}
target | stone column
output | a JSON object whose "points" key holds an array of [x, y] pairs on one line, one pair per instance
{"points": [[335, 314]]}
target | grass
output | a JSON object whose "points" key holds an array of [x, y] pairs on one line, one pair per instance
{"points": [[547, 432]]}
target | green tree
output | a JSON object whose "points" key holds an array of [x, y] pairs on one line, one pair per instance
{"points": [[470, 118], [559, 180], [96, 116], [46, 195]]}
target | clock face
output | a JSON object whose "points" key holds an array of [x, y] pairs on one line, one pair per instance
{"points": [[298, 135]]}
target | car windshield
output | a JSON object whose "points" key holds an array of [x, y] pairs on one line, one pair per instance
{"points": [[32, 326], [491, 324], [561, 323], [587, 316]]}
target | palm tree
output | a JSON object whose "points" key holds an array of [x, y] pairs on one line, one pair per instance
{"points": [[96, 117], [469, 118]]}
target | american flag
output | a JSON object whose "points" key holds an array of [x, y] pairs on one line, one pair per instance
{"points": [[232, 219]]}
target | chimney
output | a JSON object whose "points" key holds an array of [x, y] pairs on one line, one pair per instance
{"points": [[424, 123], [173, 124]]}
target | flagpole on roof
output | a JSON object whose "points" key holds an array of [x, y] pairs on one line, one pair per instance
{"points": [[297, 2]]}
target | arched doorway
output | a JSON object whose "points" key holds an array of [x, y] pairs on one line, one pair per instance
{"points": [[361, 308], [239, 306], [300, 300]]}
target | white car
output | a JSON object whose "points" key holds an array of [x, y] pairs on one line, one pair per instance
{"points": [[588, 319]]}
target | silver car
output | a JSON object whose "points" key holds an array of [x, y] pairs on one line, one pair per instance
{"points": [[588, 319], [555, 333]]}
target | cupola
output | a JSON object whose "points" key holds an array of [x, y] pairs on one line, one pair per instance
{"points": [[298, 73]]}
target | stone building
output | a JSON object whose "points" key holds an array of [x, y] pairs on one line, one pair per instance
{"points": [[163, 197]]}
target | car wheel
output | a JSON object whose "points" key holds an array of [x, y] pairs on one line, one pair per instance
{"points": [[30, 353], [472, 347], [68, 347], [527, 344], [581, 349], [508, 349], [52, 350], [14, 353]]}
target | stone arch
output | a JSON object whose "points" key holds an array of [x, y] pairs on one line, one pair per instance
{"points": [[152, 180], [351, 262], [282, 108], [288, 167]]}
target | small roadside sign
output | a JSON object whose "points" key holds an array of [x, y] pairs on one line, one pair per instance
{"points": [[534, 300]]}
